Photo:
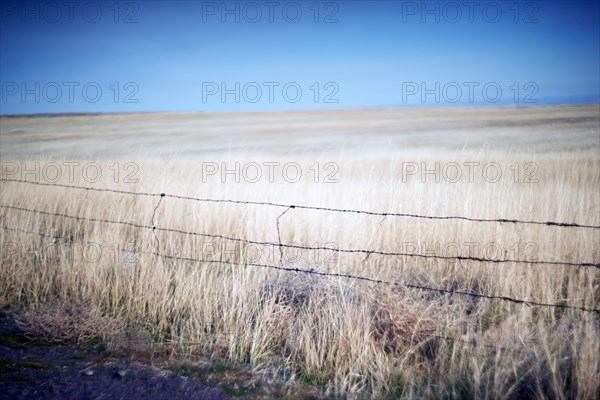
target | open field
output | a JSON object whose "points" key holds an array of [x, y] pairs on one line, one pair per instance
{"points": [[329, 132], [247, 300]]}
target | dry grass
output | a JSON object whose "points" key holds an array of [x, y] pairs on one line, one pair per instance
{"points": [[68, 321], [351, 337]]}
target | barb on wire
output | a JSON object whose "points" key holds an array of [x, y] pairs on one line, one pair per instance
{"points": [[382, 219], [328, 209]]}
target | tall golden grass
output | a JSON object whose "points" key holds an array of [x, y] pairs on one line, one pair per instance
{"points": [[354, 338]]}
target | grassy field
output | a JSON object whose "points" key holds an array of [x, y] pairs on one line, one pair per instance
{"points": [[350, 337]]}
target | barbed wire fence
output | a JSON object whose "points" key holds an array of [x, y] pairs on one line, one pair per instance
{"points": [[368, 252]]}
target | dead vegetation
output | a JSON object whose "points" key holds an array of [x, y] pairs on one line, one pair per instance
{"points": [[349, 338], [68, 321]]}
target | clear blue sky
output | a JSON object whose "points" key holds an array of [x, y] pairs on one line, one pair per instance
{"points": [[179, 55]]}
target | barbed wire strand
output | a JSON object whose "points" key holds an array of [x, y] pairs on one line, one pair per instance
{"points": [[310, 248], [328, 209], [379, 281], [188, 342]]}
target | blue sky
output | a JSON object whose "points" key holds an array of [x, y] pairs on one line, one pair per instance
{"points": [[95, 56]]}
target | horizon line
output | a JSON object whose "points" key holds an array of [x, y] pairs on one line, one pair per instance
{"points": [[100, 113]]}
